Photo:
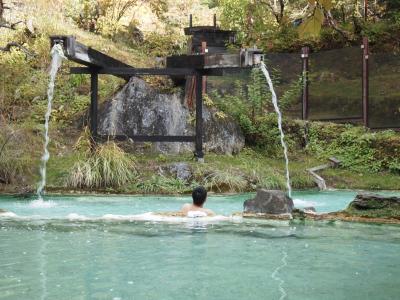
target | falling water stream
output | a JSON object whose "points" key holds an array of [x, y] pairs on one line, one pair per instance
{"points": [[278, 112], [285, 152], [57, 55]]}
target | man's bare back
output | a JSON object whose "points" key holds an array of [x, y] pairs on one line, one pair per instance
{"points": [[199, 196], [191, 207]]}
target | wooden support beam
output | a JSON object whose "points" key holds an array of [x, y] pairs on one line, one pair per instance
{"points": [[85, 55], [204, 78], [305, 51], [135, 71], [166, 71], [199, 154], [94, 87], [147, 138], [351, 118], [365, 81]]}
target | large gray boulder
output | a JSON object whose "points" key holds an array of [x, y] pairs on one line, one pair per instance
{"points": [[269, 202], [138, 109]]}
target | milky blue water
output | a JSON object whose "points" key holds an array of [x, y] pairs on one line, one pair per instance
{"points": [[46, 255], [96, 206]]}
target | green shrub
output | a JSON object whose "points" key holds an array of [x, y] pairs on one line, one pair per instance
{"points": [[251, 105]]}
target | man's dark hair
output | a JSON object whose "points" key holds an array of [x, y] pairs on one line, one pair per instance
{"points": [[199, 196]]}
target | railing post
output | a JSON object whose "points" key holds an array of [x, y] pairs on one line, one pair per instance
{"points": [[94, 86], [204, 78], [365, 81], [199, 120], [305, 51]]}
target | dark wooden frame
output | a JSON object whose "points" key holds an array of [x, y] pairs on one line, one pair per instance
{"points": [[129, 71], [96, 63]]}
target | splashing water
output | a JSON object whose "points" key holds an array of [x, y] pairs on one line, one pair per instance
{"points": [[278, 112], [57, 55]]}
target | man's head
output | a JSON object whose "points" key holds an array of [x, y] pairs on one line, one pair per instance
{"points": [[199, 196]]}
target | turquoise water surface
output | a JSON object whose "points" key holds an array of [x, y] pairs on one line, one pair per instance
{"points": [[46, 255]]}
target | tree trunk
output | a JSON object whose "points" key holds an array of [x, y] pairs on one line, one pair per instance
{"points": [[1, 9]]}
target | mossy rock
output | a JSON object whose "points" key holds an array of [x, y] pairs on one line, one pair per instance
{"points": [[374, 206]]}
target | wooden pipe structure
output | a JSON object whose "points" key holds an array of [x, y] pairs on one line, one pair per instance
{"points": [[96, 63]]}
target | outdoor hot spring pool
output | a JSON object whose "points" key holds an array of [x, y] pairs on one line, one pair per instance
{"points": [[90, 247]]}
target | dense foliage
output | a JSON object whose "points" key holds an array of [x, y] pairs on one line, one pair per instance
{"points": [[289, 24]]}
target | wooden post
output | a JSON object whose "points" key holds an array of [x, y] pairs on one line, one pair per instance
{"points": [[199, 120], [204, 78], [190, 21], [365, 10], [94, 86], [305, 51], [215, 20], [365, 81]]}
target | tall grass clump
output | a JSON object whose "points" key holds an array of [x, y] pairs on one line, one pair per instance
{"points": [[107, 166], [224, 181], [162, 184], [273, 181], [15, 162], [12, 168]]}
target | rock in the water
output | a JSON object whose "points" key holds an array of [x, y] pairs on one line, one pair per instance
{"points": [[376, 206], [2, 211], [269, 202], [374, 201], [309, 209], [138, 109]]}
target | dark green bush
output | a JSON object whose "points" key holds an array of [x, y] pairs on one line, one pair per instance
{"points": [[358, 149]]}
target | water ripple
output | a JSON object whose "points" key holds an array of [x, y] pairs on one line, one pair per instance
{"points": [[277, 278]]}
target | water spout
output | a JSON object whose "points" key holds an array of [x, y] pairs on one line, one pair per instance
{"points": [[278, 112], [57, 55]]}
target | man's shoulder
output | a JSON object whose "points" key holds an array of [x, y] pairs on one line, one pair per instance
{"points": [[186, 205]]}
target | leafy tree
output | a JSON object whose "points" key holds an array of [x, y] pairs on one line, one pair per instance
{"points": [[311, 26], [104, 16]]}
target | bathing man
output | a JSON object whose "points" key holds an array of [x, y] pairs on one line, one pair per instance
{"points": [[196, 209]]}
